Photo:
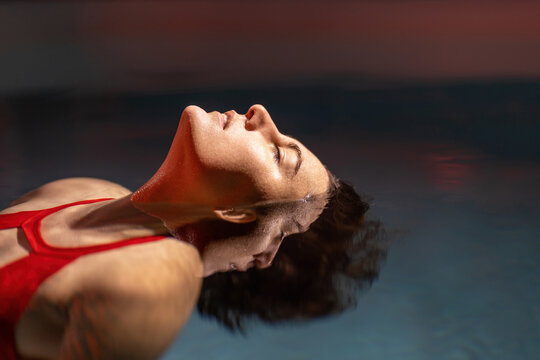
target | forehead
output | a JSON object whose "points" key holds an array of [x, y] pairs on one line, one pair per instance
{"points": [[312, 177]]}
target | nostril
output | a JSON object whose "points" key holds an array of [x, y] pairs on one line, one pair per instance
{"points": [[249, 125], [255, 109], [251, 122]]}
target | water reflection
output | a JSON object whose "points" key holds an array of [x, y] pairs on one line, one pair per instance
{"points": [[316, 271], [451, 168]]}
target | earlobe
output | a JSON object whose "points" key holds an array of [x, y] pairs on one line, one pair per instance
{"points": [[237, 216]]}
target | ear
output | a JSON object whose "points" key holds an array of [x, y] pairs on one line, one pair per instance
{"points": [[238, 216]]}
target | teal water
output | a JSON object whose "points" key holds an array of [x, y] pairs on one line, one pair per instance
{"points": [[453, 170], [462, 276]]}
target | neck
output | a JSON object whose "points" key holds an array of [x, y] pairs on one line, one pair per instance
{"points": [[119, 214], [172, 214]]}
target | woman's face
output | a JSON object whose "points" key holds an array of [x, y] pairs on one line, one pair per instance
{"points": [[232, 159]]}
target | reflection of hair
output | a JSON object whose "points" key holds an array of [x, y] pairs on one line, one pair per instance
{"points": [[315, 273]]}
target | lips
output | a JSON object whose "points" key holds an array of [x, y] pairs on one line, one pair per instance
{"points": [[223, 120]]}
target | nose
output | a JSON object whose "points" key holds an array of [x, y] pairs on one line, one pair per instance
{"points": [[258, 119], [264, 259]]}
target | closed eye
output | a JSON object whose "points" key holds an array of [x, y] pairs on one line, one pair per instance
{"points": [[277, 154]]}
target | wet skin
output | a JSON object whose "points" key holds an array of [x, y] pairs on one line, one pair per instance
{"points": [[229, 160]]}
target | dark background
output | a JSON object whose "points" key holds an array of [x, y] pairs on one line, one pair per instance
{"points": [[140, 46]]}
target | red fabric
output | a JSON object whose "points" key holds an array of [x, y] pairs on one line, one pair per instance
{"points": [[20, 279]]}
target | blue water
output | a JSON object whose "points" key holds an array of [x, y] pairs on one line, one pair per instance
{"points": [[461, 280], [453, 170]]}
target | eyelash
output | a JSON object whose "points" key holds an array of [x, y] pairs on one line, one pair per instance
{"points": [[277, 154]]}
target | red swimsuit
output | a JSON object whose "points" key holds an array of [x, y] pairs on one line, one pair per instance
{"points": [[20, 279]]}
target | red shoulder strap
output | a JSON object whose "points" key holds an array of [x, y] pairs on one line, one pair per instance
{"points": [[13, 220], [32, 230], [8, 221]]}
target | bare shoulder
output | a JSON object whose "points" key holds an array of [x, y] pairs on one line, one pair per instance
{"points": [[134, 308], [67, 190]]}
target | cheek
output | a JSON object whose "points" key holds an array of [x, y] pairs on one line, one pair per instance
{"points": [[243, 170], [232, 188], [238, 164], [258, 163]]}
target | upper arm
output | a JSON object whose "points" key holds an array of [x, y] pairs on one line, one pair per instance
{"points": [[105, 328], [131, 317]]}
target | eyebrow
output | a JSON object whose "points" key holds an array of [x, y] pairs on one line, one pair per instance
{"points": [[299, 158]]}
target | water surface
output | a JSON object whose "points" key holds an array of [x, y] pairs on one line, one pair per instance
{"points": [[453, 171]]}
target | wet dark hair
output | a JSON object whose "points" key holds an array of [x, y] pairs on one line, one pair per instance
{"points": [[315, 273]]}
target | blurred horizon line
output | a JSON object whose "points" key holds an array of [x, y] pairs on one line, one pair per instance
{"points": [[356, 83], [114, 46]]}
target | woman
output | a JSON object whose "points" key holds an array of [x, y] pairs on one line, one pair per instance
{"points": [[90, 270]]}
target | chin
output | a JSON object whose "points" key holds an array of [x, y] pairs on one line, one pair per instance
{"points": [[193, 112], [197, 124]]}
